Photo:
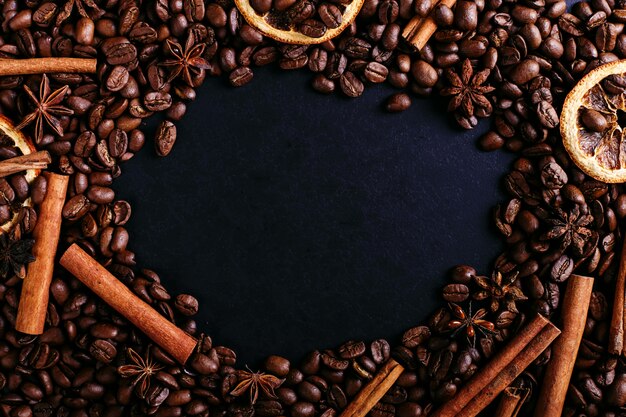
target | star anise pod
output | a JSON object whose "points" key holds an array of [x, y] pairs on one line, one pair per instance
{"points": [[141, 369], [469, 322], [187, 61], [570, 228], [500, 291], [47, 106], [468, 90], [80, 6], [15, 254], [252, 382]]}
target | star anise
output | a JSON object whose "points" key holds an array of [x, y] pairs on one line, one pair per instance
{"points": [[47, 106], [570, 228], [141, 369], [468, 90], [500, 291], [15, 254], [187, 61], [79, 5], [469, 322], [255, 381]]}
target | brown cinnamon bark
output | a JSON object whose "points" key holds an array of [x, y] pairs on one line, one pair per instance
{"points": [[36, 160], [531, 352], [418, 35], [492, 370], [172, 339], [46, 65], [412, 27], [367, 398], [511, 402], [31, 312], [616, 332], [559, 370]]}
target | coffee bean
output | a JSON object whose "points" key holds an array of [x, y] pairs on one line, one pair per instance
{"points": [[240, 76], [103, 351], [165, 138], [350, 84], [313, 28], [322, 84], [466, 15], [330, 15], [303, 409], [525, 71], [455, 293], [277, 365], [375, 72], [424, 74]]}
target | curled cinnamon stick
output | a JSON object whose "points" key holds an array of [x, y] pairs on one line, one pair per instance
{"points": [[419, 30], [31, 312], [163, 332], [36, 160], [495, 368], [511, 402], [616, 332], [531, 352], [367, 398], [46, 65], [559, 371]]}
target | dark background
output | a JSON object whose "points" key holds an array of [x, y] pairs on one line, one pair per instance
{"points": [[301, 220]]}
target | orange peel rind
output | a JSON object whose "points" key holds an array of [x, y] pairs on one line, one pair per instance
{"points": [[586, 150], [26, 146]]}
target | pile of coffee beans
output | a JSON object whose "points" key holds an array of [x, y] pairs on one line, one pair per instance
{"points": [[311, 18], [509, 60]]}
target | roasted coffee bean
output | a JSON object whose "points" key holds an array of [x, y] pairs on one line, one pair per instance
{"points": [[375, 72], [443, 15], [415, 336], [157, 101], [525, 71], [103, 351], [303, 409], [398, 102], [240, 76], [277, 365], [350, 84], [594, 120], [466, 15], [455, 293], [330, 14], [165, 138], [322, 84]]}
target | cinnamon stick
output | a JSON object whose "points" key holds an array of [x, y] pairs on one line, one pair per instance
{"points": [[36, 160], [511, 402], [31, 311], [46, 65], [165, 334], [616, 332], [367, 398], [559, 370], [495, 367], [531, 352], [419, 30], [412, 27]]}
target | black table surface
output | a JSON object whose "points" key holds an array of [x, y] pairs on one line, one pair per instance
{"points": [[301, 220]]}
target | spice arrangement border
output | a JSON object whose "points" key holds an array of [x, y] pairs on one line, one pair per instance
{"points": [[81, 352]]}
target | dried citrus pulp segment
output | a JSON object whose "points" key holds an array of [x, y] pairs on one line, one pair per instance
{"points": [[593, 123], [11, 137], [262, 24]]}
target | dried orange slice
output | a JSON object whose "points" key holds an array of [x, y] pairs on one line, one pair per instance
{"points": [[263, 23], [593, 123], [14, 138]]}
